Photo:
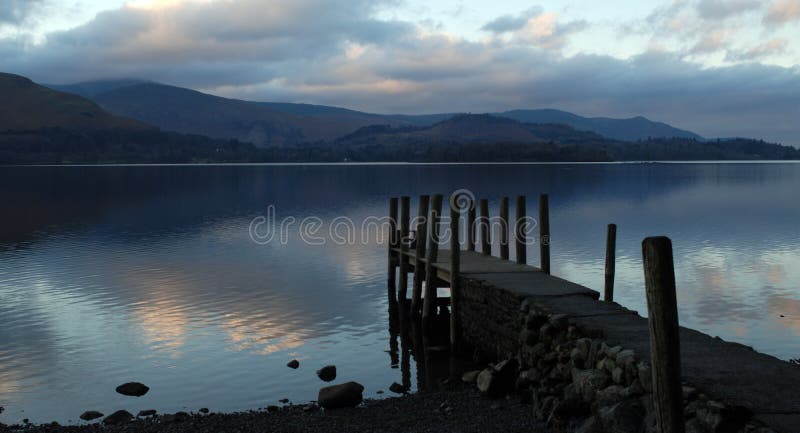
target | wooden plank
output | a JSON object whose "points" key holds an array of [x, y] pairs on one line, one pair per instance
{"points": [[504, 228], [419, 253], [520, 228], [533, 284], [665, 346], [429, 305]]}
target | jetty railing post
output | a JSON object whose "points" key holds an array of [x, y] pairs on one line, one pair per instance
{"points": [[611, 254], [520, 229], [455, 270], [665, 354], [429, 304], [471, 226], [405, 204], [486, 243], [544, 233], [419, 263], [392, 273], [504, 228]]}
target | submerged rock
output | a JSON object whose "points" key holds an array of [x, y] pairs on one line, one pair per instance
{"points": [[327, 373], [338, 396], [204, 410], [90, 415], [118, 417], [293, 364], [133, 389], [397, 388]]}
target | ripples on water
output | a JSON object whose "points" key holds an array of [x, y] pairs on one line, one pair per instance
{"points": [[110, 274]]}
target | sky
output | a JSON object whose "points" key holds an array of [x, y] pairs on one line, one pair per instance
{"points": [[720, 68]]}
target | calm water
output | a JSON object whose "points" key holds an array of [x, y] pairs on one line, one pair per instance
{"points": [[111, 274]]}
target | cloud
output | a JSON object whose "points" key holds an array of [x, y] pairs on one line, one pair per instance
{"points": [[711, 42], [722, 9], [16, 12], [769, 48], [338, 52], [783, 11], [510, 23]]}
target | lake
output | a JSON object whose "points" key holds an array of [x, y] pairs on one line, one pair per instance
{"points": [[116, 273]]}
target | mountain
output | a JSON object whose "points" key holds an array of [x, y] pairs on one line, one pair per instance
{"points": [[282, 123], [26, 105], [633, 129]]}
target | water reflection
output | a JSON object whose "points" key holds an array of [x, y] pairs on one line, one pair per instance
{"points": [[109, 274]]}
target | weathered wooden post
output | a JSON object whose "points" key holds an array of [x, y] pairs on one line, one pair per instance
{"points": [[486, 243], [471, 226], [504, 228], [665, 351], [419, 263], [544, 233], [455, 270], [405, 204], [611, 254], [429, 304], [520, 228], [392, 273]]}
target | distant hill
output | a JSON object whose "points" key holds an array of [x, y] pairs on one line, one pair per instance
{"points": [[636, 128], [283, 123], [26, 105]]}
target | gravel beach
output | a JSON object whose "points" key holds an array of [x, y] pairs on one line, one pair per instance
{"points": [[458, 408]]}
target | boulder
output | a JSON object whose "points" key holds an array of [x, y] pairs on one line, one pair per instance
{"points": [[327, 373], [338, 396], [90, 415], [118, 417], [488, 383], [624, 417], [146, 412], [133, 389], [293, 364], [588, 382], [204, 410]]}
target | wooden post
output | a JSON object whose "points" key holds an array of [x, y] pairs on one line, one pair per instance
{"points": [[405, 204], [504, 228], [471, 227], [429, 304], [455, 271], [419, 263], [611, 254], [665, 351], [392, 273], [520, 228], [486, 242], [544, 233]]}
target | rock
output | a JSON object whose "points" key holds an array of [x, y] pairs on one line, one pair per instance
{"points": [[147, 412], [645, 376], [487, 383], [610, 396], [695, 426], [618, 375], [273, 408], [284, 400], [133, 389], [397, 388], [591, 425], [338, 396], [309, 408], [204, 410], [175, 417], [293, 364], [559, 321], [528, 337], [588, 382], [626, 358], [118, 417], [624, 417], [525, 306], [380, 391], [535, 321], [508, 369], [90, 415], [470, 376], [327, 373], [689, 393]]}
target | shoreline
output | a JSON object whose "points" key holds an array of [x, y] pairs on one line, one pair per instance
{"points": [[456, 407]]}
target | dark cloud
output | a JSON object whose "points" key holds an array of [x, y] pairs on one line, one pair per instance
{"points": [[336, 52]]}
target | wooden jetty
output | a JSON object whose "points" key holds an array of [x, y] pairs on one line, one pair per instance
{"points": [[764, 388]]}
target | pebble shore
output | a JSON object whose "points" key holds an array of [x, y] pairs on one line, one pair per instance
{"points": [[456, 408]]}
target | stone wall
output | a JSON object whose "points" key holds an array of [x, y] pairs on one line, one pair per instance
{"points": [[574, 380]]}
